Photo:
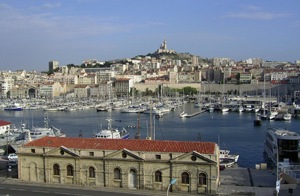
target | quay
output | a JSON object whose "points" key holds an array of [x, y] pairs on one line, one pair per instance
{"points": [[248, 181], [195, 114]]}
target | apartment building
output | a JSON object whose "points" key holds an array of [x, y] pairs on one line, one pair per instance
{"points": [[82, 91], [122, 86], [53, 65], [245, 78], [51, 89]]}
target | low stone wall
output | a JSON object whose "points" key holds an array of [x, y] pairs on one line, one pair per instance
{"points": [[242, 89]]}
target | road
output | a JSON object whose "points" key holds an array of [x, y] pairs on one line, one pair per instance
{"points": [[19, 189]]}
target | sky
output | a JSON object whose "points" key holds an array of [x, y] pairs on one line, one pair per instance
{"points": [[34, 32]]}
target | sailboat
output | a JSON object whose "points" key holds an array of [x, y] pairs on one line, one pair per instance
{"points": [[110, 132], [224, 108], [264, 116]]}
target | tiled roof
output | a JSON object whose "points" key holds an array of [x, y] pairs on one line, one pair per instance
{"points": [[4, 123], [130, 144]]}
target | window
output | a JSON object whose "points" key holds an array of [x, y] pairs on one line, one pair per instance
{"points": [[70, 170], [158, 177], [202, 179], [32, 150], [92, 172], [124, 155], [185, 179], [158, 156], [91, 154], [193, 158], [56, 170], [117, 173]]}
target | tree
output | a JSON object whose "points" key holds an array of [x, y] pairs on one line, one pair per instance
{"points": [[238, 77]]}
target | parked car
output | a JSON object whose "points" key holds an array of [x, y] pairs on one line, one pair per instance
{"points": [[222, 167], [12, 156], [12, 163]]}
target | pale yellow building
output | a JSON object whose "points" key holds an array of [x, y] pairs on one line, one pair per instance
{"points": [[128, 164]]}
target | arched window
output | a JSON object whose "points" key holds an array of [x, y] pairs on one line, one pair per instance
{"points": [[70, 171], [185, 178], [117, 173], [92, 173], [56, 170], [158, 177], [202, 179]]}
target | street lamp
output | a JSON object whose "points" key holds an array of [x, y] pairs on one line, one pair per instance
{"points": [[172, 182], [277, 172]]}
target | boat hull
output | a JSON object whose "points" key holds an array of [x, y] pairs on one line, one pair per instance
{"points": [[13, 109]]}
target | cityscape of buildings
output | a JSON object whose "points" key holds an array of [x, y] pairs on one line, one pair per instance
{"points": [[164, 66]]}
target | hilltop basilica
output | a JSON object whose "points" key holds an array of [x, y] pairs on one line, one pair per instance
{"points": [[163, 48]]}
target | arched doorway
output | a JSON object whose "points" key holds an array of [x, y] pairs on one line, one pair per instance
{"points": [[132, 181], [31, 93]]}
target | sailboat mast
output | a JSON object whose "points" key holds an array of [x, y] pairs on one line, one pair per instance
{"points": [[138, 127], [151, 109], [109, 102]]}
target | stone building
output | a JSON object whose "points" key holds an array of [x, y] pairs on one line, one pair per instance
{"points": [[130, 164], [4, 126]]}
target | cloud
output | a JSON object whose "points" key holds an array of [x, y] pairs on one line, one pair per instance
{"points": [[45, 7], [255, 13], [51, 5], [4, 6]]}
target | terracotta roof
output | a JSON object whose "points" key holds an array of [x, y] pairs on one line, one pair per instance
{"points": [[130, 144], [4, 123]]}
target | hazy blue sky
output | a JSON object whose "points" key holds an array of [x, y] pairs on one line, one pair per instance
{"points": [[34, 32]]}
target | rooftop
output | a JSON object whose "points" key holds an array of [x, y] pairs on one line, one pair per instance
{"points": [[4, 123], [130, 144]]}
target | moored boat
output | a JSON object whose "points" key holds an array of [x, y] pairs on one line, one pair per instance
{"points": [[39, 132], [183, 115], [112, 133], [225, 109], [287, 116], [227, 162], [13, 107], [225, 154]]}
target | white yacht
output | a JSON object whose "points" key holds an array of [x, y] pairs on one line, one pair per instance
{"points": [[225, 109], [241, 108], [112, 133], [284, 142], [183, 115], [287, 116], [225, 154], [39, 132]]}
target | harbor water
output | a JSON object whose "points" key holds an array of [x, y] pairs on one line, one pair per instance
{"points": [[233, 131]]}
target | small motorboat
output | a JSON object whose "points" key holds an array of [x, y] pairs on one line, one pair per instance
{"points": [[227, 162], [183, 115], [225, 154]]}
